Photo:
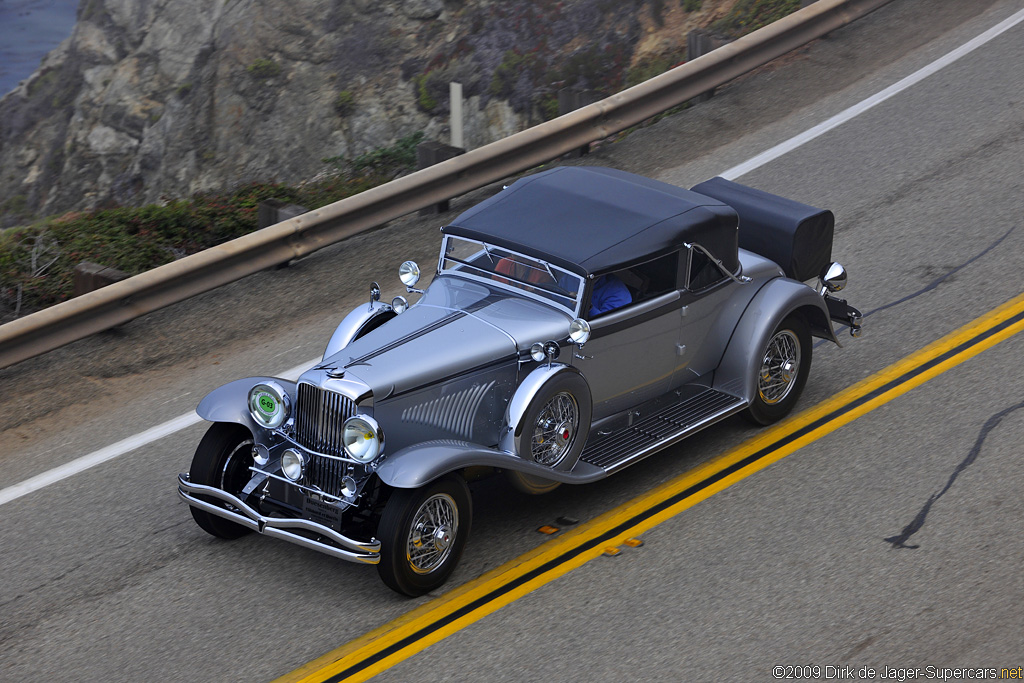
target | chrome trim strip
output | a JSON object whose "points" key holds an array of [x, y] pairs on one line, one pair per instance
{"points": [[277, 527], [311, 451], [739, 279]]}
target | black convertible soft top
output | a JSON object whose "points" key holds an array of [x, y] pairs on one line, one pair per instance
{"points": [[593, 220]]}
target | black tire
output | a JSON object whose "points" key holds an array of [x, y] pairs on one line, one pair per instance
{"points": [[418, 555], [529, 484], [222, 460], [776, 388], [572, 391]]}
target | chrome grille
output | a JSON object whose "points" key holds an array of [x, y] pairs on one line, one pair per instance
{"points": [[325, 474], [320, 418]]}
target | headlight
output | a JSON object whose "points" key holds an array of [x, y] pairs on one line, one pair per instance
{"points": [[363, 438], [292, 464], [269, 404]]}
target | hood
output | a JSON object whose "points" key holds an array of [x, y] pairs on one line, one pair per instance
{"points": [[458, 325], [423, 345]]}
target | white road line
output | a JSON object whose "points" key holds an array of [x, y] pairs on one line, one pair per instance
{"points": [[118, 449], [861, 107], [160, 431]]}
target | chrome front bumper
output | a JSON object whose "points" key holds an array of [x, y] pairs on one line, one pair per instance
{"points": [[278, 527]]}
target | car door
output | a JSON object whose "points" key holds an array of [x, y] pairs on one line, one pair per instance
{"points": [[631, 356], [707, 298]]}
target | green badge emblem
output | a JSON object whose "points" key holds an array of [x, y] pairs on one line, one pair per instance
{"points": [[267, 404]]}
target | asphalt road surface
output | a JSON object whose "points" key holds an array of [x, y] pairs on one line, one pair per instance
{"points": [[890, 542]]}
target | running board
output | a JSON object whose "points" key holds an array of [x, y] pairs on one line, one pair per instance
{"points": [[659, 430]]}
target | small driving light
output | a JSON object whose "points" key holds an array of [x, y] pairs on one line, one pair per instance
{"points": [[579, 331], [269, 404], [260, 454], [400, 304], [409, 273], [537, 352], [362, 438], [292, 464]]}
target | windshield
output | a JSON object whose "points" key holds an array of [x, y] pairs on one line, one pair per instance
{"points": [[524, 274]]}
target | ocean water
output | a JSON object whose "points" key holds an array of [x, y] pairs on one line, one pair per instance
{"points": [[28, 30]]}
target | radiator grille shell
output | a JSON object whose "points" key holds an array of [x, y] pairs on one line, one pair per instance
{"points": [[320, 419]]}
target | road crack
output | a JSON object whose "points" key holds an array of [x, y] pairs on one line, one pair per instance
{"points": [[900, 540], [934, 283]]}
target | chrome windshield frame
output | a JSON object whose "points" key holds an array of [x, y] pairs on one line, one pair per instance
{"points": [[487, 249]]}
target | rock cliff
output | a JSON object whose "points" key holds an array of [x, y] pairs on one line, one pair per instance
{"points": [[151, 99]]}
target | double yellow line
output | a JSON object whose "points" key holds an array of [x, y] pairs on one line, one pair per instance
{"points": [[398, 640]]}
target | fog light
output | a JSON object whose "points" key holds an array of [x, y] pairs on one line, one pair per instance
{"points": [[293, 463], [348, 485]]}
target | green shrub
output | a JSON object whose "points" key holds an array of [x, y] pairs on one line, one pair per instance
{"points": [[424, 100], [690, 5], [37, 262], [344, 102], [264, 68], [747, 16]]}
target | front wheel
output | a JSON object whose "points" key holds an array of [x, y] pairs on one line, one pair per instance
{"points": [[222, 460], [422, 534], [556, 424], [784, 365]]}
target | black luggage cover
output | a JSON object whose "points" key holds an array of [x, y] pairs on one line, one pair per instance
{"points": [[796, 236]]}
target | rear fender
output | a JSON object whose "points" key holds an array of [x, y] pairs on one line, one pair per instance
{"points": [[230, 403], [778, 299]]}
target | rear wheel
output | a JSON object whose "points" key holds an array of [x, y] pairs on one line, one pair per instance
{"points": [[422, 533], [222, 460], [782, 373]]}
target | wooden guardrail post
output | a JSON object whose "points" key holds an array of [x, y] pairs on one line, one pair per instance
{"points": [[571, 100], [699, 42], [90, 276], [428, 154]]}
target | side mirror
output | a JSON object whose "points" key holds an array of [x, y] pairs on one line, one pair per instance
{"points": [[374, 294], [832, 278]]}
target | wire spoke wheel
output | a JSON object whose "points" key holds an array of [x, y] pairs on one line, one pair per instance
{"points": [[779, 368], [555, 429], [434, 527], [422, 533]]}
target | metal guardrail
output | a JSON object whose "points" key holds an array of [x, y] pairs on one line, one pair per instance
{"points": [[123, 301]]}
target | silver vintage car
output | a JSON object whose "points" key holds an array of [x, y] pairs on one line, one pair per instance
{"points": [[578, 321]]}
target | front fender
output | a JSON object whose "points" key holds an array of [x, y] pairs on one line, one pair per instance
{"points": [[354, 324], [418, 465], [230, 403], [781, 297], [523, 396]]}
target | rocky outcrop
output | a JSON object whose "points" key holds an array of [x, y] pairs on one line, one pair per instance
{"points": [[151, 99]]}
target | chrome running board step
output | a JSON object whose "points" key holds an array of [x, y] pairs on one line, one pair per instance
{"points": [[659, 430]]}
